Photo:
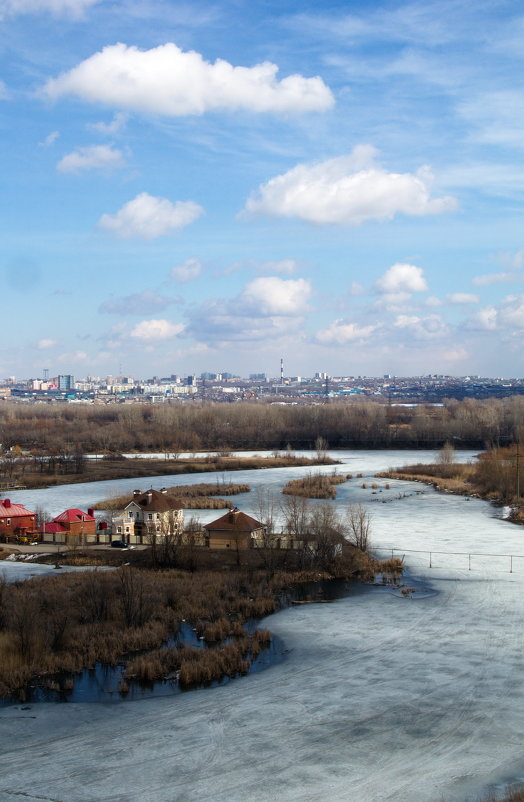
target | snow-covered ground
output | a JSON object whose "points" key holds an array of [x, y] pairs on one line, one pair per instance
{"points": [[380, 698]]}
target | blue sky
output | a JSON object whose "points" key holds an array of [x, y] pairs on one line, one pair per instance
{"points": [[211, 188]]}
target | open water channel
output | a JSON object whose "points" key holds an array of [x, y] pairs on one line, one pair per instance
{"points": [[380, 697]]}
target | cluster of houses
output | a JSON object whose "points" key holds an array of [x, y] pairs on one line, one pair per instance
{"points": [[146, 518]]}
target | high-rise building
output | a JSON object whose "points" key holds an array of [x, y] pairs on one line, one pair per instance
{"points": [[66, 382]]}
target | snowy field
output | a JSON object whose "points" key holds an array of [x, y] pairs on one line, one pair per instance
{"points": [[380, 698]]}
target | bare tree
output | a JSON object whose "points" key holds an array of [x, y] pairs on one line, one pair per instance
{"points": [[358, 526], [136, 604], [326, 531], [295, 510], [321, 447], [265, 509], [446, 455]]}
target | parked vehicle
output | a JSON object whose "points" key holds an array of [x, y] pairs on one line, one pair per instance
{"points": [[118, 544]]}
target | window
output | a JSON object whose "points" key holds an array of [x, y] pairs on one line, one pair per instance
{"points": [[8, 521], [119, 529], [149, 516], [130, 513], [158, 516]]}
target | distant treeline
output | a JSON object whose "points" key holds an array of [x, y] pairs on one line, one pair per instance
{"points": [[169, 428]]}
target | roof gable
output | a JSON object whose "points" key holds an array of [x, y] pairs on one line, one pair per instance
{"points": [[154, 501], [73, 515], [235, 521]]}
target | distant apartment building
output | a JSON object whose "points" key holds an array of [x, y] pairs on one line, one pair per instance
{"points": [[66, 382]]}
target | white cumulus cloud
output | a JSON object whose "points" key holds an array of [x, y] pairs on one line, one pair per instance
{"points": [[166, 80], [340, 332], [149, 217], [89, 158], [511, 312], [508, 315], [150, 330], [347, 190], [271, 295], [187, 271], [402, 278], [268, 310]]}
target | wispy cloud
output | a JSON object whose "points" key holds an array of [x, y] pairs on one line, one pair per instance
{"points": [[93, 157], [148, 217]]}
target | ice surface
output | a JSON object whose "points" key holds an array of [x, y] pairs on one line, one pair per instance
{"points": [[380, 698]]}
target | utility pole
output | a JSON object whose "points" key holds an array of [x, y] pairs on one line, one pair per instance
{"points": [[518, 472]]}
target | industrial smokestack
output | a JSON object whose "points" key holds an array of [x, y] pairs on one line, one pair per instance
{"points": [[281, 371]]}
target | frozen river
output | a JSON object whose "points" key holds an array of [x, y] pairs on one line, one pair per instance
{"points": [[380, 697]]}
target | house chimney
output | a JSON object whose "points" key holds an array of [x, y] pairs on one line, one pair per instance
{"points": [[137, 492], [7, 502], [91, 512], [149, 496], [163, 490]]}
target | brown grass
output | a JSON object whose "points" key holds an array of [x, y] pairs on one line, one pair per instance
{"points": [[66, 622], [315, 486], [121, 468], [517, 795], [455, 478]]}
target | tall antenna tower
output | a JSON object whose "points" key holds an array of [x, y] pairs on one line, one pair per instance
{"points": [[281, 371], [45, 374]]}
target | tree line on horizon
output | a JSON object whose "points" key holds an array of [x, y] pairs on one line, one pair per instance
{"points": [[171, 428]]}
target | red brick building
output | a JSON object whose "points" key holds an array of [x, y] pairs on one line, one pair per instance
{"points": [[71, 525], [16, 521]]}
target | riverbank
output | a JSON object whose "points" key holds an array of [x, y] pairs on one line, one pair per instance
{"points": [[119, 467], [470, 480], [432, 684]]}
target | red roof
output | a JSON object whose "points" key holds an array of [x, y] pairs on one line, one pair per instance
{"points": [[73, 515], [54, 528], [13, 510]]}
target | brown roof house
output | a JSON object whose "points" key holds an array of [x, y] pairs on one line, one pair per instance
{"points": [[148, 516], [234, 530]]}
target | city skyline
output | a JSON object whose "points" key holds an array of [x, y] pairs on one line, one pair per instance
{"points": [[223, 186]]}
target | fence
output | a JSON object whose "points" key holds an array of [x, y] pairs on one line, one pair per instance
{"points": [[465, 560]]}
